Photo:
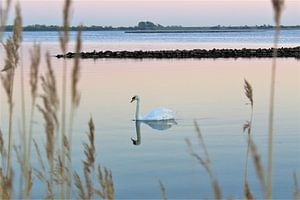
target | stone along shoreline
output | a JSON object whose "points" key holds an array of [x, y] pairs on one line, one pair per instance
{"points": [[195, 53]]}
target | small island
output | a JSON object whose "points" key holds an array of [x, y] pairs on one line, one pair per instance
{"points": [[150, 27], [195, 53]]}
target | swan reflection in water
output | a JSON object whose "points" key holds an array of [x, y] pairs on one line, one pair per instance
{"points": [[160, 125]]}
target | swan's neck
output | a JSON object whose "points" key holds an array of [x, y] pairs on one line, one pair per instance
{"points": [[137, 111]]}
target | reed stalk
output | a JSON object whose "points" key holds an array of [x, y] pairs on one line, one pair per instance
{"points": [[277, 6], [3, 17], [296, 194], [9, 137], [63, 126], [24, 164], [248, 127], [163, 190], [74, 104], [64, 38], [34, 72]]}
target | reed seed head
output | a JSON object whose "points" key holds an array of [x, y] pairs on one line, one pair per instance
{"points": [[248, 91], [17, 30], [49, 85], [217, 189], [105, 179], [79, 186], [247, 192], [89, 148], [8, 77]]}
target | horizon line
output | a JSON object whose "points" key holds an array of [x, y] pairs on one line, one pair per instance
{"points": [[183, 26]]}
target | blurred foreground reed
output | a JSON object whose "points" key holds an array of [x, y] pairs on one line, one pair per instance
{"points": [[55, 169]]}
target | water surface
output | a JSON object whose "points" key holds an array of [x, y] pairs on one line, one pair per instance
{"points": [[207, 90]]}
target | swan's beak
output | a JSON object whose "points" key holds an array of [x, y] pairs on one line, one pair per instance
{"points": [[133, 98]]}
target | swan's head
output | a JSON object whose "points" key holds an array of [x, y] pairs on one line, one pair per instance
{"points": [[135, 98]]}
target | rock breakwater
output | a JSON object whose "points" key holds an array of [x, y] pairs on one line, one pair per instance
{"points": [[195, 53]]}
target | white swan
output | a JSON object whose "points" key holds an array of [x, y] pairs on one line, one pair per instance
{"points": [[153, 115]]}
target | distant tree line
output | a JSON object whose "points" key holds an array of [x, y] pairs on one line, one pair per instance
{"points": [[144, 25]]}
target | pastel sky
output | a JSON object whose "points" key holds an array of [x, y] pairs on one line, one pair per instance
{"points": [[165, 12]]}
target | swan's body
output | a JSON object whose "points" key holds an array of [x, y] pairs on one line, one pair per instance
{"points": [[160, 125], [155, 114]]}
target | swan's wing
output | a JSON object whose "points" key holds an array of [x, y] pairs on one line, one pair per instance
{"points": [[160, 114]]}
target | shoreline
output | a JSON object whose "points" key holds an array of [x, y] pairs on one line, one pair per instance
{"points": [[152, 28], [284, 52]]}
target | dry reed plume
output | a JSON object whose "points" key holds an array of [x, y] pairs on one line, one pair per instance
{"points": [[88, 189], [55, 172], [35, 56], [248, 127], [247, 192], [205, 161], [249, 92], [49, 110], [12, 59], [105, 179], [6, 185], [34, 72]]}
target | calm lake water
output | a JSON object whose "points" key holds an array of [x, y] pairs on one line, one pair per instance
{"points": [[207, 90]]}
